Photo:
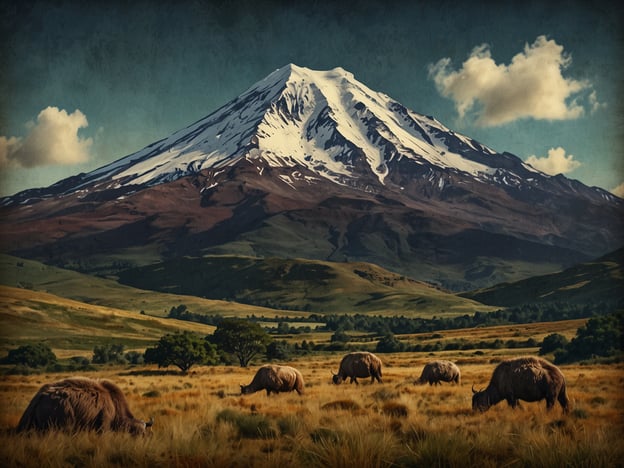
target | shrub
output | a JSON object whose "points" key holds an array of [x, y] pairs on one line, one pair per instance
{"points": [[134, 357], [280, 350], [31, 355], [390, 344], [340, 336], [552, 343], [108, 353]]}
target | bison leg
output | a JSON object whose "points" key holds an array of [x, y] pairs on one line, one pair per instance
{"points": [[563, 400], [513, 402]]}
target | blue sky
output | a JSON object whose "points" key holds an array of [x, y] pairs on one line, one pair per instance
{"points": [[83, 85]]}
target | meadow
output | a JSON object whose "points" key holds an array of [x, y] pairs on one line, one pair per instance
{"points": [[202, 420]]}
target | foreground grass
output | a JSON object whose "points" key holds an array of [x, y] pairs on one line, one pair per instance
{"points": [[201, 420]]}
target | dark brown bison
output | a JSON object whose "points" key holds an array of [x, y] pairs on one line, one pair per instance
{"points": [[80, 404], [525, 378], [435, 372], [359, 364], [276, 379]]}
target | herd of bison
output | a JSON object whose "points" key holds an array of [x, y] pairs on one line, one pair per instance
{"points": [[84, 404]]}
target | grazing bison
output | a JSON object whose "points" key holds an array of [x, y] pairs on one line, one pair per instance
{"points": [[80, 404], [355, 365], [526, 378], [275, 379], [435, 372]]}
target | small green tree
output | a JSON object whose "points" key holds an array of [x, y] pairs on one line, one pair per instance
{"points": [[134, 357], [389, 344], [242, 338], [31, 355], [552, 343], [108, 353], [340, 336], [183, 350], [280, 350]]}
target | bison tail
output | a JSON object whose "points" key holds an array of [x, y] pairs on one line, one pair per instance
{"points": [[564, 401]]}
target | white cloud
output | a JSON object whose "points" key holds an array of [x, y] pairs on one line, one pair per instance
{"points": [[531, 86], [594, 104], [618, 191], [8, 146], [52, 139], [555, 163]]}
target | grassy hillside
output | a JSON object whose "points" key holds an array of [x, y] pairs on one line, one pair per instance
{"points": [[299, 284], [32, 316], [587, 283], [27, 274]]}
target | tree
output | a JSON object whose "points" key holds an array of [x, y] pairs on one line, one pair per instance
{"points": [[108, 353], [389, 344], [599, 337], [242, 338], [183, 350], [279, 350], [340, 336], [32, 355], [552, 343]]}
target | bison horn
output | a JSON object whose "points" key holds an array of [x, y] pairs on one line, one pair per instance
{"points": [[473, 390], [150, 423]]}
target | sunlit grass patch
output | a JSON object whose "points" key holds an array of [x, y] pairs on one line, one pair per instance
{"points": [[200, 419]]}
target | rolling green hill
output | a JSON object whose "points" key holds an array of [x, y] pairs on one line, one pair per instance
{"points": [[593, 282], [36, 276], [299, 284], [33, 316]]}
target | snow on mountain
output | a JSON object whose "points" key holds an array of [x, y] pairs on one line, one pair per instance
{"points": [[314, 164], [320, 120]]}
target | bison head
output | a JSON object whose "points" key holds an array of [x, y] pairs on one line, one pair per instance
{"points": [[137, 427], [245, 389], [480, 400], [337, 378]]}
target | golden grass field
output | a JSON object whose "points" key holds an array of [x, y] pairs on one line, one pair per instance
{"points": [[202, 420]]}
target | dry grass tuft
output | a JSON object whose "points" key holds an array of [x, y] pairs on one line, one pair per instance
{"points": [[348, 405], [395, 409]]}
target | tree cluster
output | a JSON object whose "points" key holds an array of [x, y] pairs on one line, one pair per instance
{"points": [[532, 313], [600, 337], [31, 355]]}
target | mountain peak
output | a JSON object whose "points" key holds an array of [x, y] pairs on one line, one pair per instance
{"points": [[323, 121], [296, 72], [315, 164]]}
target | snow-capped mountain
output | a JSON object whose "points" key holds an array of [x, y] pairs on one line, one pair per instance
{"points": [[321, 120], [341, 172]]}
